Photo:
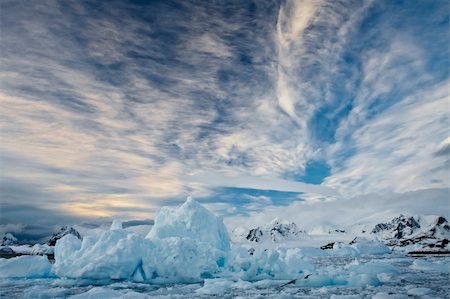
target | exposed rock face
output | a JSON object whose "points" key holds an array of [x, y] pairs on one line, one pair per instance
{"points": [[431, 231], [9, 239], [6, 250], [65, 230], [276, 231], [327, 246]]}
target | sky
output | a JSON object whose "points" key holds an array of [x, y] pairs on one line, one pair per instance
{"points": [[296, 109]]}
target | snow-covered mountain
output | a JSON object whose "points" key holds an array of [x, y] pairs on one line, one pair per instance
{"points": [[65, 230], [409, 230], [276, 231], [9, 239]]}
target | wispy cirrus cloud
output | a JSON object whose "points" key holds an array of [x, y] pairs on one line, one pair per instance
{"points": [[111, 105]]}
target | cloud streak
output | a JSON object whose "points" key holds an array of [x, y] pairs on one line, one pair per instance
{"points": [[111, 106]]}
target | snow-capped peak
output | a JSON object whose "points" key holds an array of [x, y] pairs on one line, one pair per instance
{"points": [[9, 239], [65, 230], [276, 230]]}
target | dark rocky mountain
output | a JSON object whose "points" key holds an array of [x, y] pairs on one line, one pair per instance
{"points": [[65, 230], [276, 231]]}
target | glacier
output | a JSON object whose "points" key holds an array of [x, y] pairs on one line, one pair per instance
{"points": [[189, 249]]}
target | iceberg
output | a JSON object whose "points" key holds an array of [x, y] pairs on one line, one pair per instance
{"points": [[189, 244], [115, 254], [267, 264], [25, 266], [181, 260], [116, 224], [105, 293], [186, 244], [191, 220]]}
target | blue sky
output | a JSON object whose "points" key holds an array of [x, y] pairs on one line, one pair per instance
{"points": [[116, 108]]}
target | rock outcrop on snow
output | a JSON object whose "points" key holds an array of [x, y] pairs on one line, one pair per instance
{"points": [[276, 231]]}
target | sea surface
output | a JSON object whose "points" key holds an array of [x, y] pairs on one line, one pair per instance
{"points": [[430, 280]]}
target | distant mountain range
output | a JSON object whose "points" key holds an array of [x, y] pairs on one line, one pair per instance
{"points": [[10, 240], [429, 231], [276, 231], [426, 231]]}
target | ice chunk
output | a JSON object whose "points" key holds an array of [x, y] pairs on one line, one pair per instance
{"points": [[420, 291], [116, 224], [363, 280], [425, 265], [320, 280], [25, 266], [371, 273], [312, 251], [267, 264], [193, 221], [372, 268], [46, 292], [242, 284], [341, 249], [115, 255], [105, 293], [382, 295], [215, 286], [366, 247], [181, 260], [65, 247], [372, 247], [294, 259]]}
